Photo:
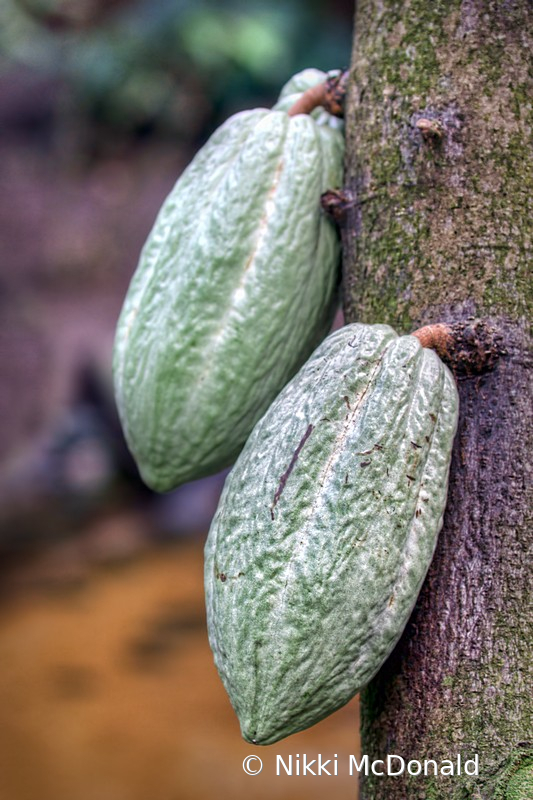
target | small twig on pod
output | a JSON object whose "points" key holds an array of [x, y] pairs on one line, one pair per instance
{"points": [[330, 95], [438, 337]]}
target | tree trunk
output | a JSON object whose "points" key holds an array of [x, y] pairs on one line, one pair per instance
{"points": [[439, 229]]}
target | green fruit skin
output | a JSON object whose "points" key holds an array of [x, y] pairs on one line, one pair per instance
{"points": [[236, 286], [326, 527], [300, 82]]}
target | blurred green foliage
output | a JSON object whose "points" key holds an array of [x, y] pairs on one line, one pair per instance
{"points": [[171, 65]]}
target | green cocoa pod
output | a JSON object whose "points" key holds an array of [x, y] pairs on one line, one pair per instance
{"points": [[326, 528], [235, 287]]}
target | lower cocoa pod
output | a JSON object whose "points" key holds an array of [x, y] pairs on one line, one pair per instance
{"points": [[327, 526]]}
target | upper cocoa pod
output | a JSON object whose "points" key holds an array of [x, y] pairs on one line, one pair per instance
{"points": [[235, 287], [326, 528]]}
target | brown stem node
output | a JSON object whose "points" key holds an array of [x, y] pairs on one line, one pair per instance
{"points": [[336, 93], [336, 204], [468, 348], [430, 128]]}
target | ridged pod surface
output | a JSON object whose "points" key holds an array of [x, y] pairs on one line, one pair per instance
{"points": [[235, 287], [327, 526]]}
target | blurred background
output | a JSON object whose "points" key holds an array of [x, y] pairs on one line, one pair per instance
{"points": [[107, 685]]}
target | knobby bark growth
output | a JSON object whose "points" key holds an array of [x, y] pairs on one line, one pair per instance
{"points": [[437, 228]]}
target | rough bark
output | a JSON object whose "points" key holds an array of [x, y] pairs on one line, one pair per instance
{"points": [[438, 228]]}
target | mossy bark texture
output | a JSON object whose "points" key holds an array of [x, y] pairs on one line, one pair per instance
{"points": [[439, 229]]}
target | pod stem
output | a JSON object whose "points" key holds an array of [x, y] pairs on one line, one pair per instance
{"points": [[468, 348], [438, 337], [330, 95]]}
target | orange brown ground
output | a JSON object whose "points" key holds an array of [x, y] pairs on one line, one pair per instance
{"points": [[108, 692]]}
